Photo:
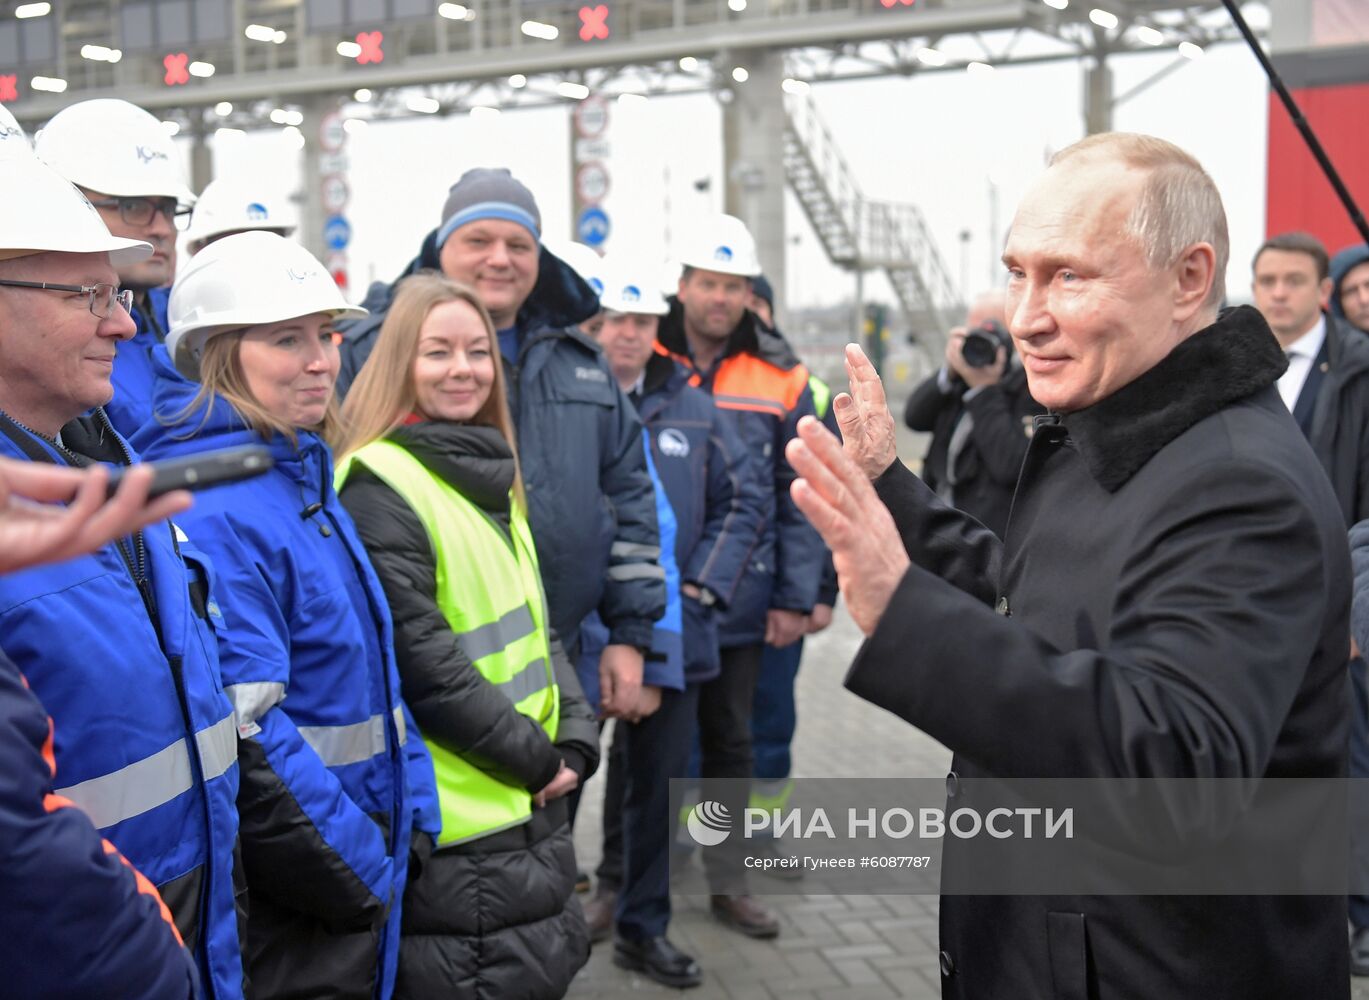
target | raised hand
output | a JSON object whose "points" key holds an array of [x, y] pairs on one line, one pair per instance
{"points": [[867, 426], [838, 500]]}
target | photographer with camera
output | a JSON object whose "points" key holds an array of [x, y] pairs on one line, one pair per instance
{"points": [[979, 413]]}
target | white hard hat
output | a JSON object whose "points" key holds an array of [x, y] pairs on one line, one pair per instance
{"points": [[13, 141], [722, 243], [41, 212], [229, 206], [630, 287], [584, 261], [243, 280], [115, 148]]}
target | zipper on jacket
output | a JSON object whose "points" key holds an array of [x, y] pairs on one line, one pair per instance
{"points": [[138, 562]]}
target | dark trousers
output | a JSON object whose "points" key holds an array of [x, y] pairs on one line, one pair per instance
{"points": [[725, 758], [724, 730], [640, 811], [774, 716], [1359, 820]]}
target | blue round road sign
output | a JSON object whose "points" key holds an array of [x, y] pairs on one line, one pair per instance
{"points": [[592, 228], [337, 233]]}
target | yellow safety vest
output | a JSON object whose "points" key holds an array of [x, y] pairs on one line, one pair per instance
{"points": [[489, 589]]}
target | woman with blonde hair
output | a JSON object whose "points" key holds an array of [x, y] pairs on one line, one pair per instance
{"points": [[331, 780], [429, 472]]}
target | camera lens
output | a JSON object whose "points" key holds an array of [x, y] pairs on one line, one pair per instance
{"points": [[979, 349]]}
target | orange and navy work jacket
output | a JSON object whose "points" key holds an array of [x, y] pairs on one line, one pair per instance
{"points": [[78, 919], [760, 381]]}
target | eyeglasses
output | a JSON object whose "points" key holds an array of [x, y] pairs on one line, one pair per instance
{"points": [[101, 297], [141, 211]]}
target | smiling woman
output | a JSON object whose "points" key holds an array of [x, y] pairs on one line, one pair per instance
{"points": [[327, 791], [430, 474]]}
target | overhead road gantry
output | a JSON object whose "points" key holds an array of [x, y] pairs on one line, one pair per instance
{"points": [[276, 51], [244, 64]]}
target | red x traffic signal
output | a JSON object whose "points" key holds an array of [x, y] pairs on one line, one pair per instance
{"points": [[594, 23], [177, 69]]}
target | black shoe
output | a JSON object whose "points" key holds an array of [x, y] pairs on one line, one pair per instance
{"points": [[658, 959], [581, 881], [745, 914], [1359, 952]]}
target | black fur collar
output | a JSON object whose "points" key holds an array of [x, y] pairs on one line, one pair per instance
{"points": [[1226, 362]]}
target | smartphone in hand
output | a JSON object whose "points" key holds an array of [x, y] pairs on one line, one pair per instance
{"points": [[200, 471]]}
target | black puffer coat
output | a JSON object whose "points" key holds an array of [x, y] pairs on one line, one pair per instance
{"points": [[495, 917]]}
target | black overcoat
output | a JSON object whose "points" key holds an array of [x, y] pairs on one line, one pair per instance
{"points": [[1172, 599]]}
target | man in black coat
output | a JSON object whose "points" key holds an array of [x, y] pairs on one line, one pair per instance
{"points": [[1327, 389], [1172, 595], [1327, 383], [980, 419]]}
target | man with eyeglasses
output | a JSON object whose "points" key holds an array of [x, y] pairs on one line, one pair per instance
{"points": [[119, 645], [124, 161]]}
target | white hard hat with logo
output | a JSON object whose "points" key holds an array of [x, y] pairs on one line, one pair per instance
{"points": [[584, 261], [115, 148], [13, 141], [229, 206], [630, 287], [247, 279], [42, 212], [723, 244]]}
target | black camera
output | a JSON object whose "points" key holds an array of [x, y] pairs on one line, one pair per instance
{"points": [[981, 345]]}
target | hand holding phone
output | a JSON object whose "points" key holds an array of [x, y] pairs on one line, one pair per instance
{"points": [[35, 530]]}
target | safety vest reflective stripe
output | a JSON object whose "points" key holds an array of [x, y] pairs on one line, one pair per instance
{"points": [[750, 403], [155, 780], [633, 550], [252, 700], [495, 636], [352, 744], [531, 679]]}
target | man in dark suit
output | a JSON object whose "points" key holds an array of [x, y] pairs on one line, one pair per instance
{"points": [[1327, 389], [1173, 593], [1327, 383]]}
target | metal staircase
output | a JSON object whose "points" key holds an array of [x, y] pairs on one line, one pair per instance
{"points": [[860, 234]]}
